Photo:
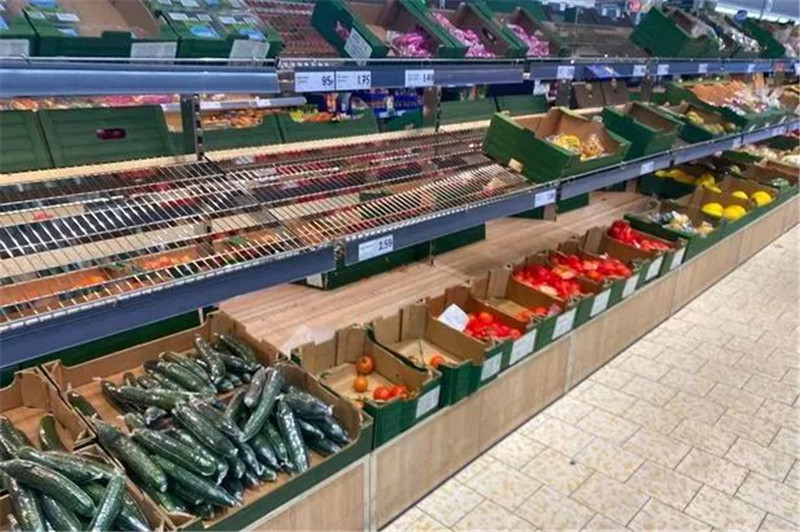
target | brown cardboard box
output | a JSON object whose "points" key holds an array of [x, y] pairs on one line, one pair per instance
{"points": [[561, 121], [586, 95], [614, 92]]}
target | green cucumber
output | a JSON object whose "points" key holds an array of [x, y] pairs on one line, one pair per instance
{"points": [[79, 403], [168, 501], [196, 484], [9, 438], [182, 376], [115, 399], [153, 415], [49, 440], [246, 377], [204, 430], [204, 511], [164, 399], [234, 487], [75, 467], [134, 421], [216, 368], [255, 387], [268, 474], [186, 363], [175, 451], [23, 438], [235, 379], [219, 420], [130, 515], [62, 518], [251, 480], [274, 437], [236, 365], [129, 379], [332, 430], [147, 382], [235, 407], [306, 406], [164, 382], [269, 394], [225, 385], [324, 446], [309, 431], [110, 505], [187, 438], [131, 455], [291, 435], [264, 451], [51, 483], [239, 348], [248, 456], [25, 504], [236, 466]]}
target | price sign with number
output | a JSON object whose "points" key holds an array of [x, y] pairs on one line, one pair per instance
{"points": [[751, 67], [353, 81], [663, 69], [548, 197], [639, 71], [375, 248], [565, 72], [419, 78], [647, 168], [702, 68], [314, 82]]}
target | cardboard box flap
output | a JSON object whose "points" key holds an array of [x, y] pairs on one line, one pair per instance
{"points": [[644, 114]]}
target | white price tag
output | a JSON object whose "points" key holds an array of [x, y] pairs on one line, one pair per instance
{"points": [[654, 268], [564, 323], [419, 78], [565, 72], [737, 142], [14, 47], [751, 67], [68, 17], [158, 50], [639, 71], [375, 248], [179, 17], [663, 69], [428, 401], [548, 197], [677, 258], [647, 168], [314, 82], [249, 49], [600, 303], [540, 88], [522, 347], [211, 105], [491, 367], [315, 280], [356, 46], [630, 285], [702, 68], [797, 69], [454, 317], [353, 81], [562, 6]]}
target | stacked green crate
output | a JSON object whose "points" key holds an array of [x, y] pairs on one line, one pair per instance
{"points": [[22, 143], [771, 47], [648, 132], [359, 124], [668, 33], [522, 104], [17, 36], [680, 92], [264, 134], [693, 131], [467, 110], [513, 45]]}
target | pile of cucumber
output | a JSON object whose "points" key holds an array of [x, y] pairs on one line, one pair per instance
{"points": [[53, 489], [194, 453]]}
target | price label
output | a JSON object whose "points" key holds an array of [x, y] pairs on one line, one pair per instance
{"points": [[562, 6], [677, 258], [356, 46], [647, 168], [654, 268], [315, 280], [737, 142], [548, 197], [797, 69], [454, 317], [353, 81], [702, 68], [630, 285], [14, 47], [663, 70], [565, 72], [540, 88], [564, 323], [600, 303], [639, 71], [751, 67], [522, 347], [428, 401], [160, 50], [314, 82], [491, 367], [249, 49], [419, 78], [375, 248], [211, 105]]}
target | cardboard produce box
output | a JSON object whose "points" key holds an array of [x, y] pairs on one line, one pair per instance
{"points": [[101, 28], [648, 131], [333, 363], [586, 95], [661, 262], [702, 196], [785, 183], [364, 30], [670, 32], [713, 96], [490, 39], [526, 19], [699, 124], [615, 92], [523, 144], [417, 337], [731, 184], [17, 36]]}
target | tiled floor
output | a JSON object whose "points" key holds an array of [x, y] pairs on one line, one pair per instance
{"points": [[695, 427]]}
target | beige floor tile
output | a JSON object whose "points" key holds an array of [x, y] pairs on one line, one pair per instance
{"points": [[765, 368], [687, 382], [450, 502], [569, 409], [724, 512], [610, 459], [644, 367], [557, 471], [550, 510], [697, 408], [474, 467], [673, 341], [793, 478], [516, 449], [643, 388], [706, 437], [717, 352], [680, 360], [663, 484], [404, 521], [777, 391], [657, 447], [608, 399], [658, 516], [645, 349], [612, 377], [504, 485], [787, 416], [427, 523], [600, 522], [792, 377], [561, 436], [750, 427], [608, 426], [651, 416], [773, 523], [489, 516], [532, 424], [611, 498], [763, 460], [712, 470], [787, 441], [774, 497], [735, 398], [714, 371]]}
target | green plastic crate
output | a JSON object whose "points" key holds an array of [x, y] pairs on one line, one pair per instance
{"points": [[455, 112], [648, 132], [235, 36], [663, 187], [291, 131], [22, 143], [680, 92], [265, 134], [497, 39], [407, 120], [17, 36], [521, 144], [694, 133], [100, 135], [665, 33], [527, 16], [695, 245], [535, 8], [522, 104], [771, 47]]}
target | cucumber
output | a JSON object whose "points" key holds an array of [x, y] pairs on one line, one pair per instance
{"points": [[49, 440], [187, 438], [10, 441], [153, 415], [164, 382], [238, 348], [291, 435], [129, 379], [75, 467], [110, 505], [225, 385], [115, 399], [264, 451], [248, 456], [22, 437], [246, 377], [204, 511], [134, 421], [235, 379], [236, 467], [305, 405], [168, 501], [182, 376], [188, 364], [324, 446], [147, 382], [79, 403], [164, 399], [130, 515], [237, 365], [195, 484], [255, 387], [219, 420], [268, 474], [269, 393], [50, 482], [25, 504], [131, 455], [204, 430], [235, 406], [175, 451], [216, 368], [275, 439], [13, 524], [234, 487], [309, 431], [62, 518], [332, 430], [251, 480]]}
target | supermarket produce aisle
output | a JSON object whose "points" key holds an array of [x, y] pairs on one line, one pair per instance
{"points": [[696, 426]]}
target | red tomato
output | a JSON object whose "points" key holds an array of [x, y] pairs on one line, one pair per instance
{"points": [[364, 365], [485, 318], [436, 361], [382, 393], [398, 390], [515, 334]]}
